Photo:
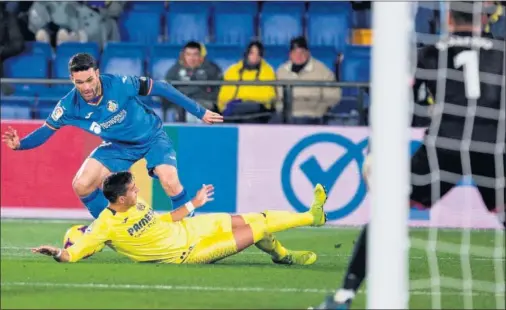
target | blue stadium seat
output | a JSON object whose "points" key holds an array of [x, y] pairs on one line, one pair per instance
{"points": [[60, 65], [186, 26], [141, 26], [233, 28], [325, 54], [27, 66], [276, 55], [123, 58], [151, 6], [423, 19], [162, 58], [237, 7], [16, 107], [39, 48], [280, 28], [190, 6], [329, 6], [45, 106], [319, 32], [297, 7], [362, 19], [224, 55], [355, 67]]}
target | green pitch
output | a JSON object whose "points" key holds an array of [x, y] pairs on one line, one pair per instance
{"points": [[247, 280]]}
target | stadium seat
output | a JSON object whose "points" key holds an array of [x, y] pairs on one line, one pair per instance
{"points": [[141, 26], [190, 6], [16, 107], [362, 19], [224, 55], [325, 54], [289, 7], [123, 58], [186, 26], [319, 33], [45, 106], [233, 28], [280, 28], [162, 57], [276, 55], [250, 7], [27, 66], [329, 6], [150, 6], [355, 67], [39, 48]]}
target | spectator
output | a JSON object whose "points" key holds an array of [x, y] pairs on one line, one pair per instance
{"points": [[309, 103], [243, 100], [56, 22], [11, 40], [496, 20], [193, 66]]}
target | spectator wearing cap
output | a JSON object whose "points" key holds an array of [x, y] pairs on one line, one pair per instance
{"points": [[193, 66], [309, 103], [249, 100]]}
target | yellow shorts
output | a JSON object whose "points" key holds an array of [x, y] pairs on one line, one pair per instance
{"points": [[204, 226]]}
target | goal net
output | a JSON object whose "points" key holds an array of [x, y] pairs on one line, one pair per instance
{"points": [[454, 256]]}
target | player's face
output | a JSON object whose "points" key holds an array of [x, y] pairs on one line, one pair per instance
{"points": [[130, 197], [192, 57], [87, 83], [299, 56]]}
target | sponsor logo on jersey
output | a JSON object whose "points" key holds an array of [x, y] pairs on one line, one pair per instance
{"points": [[146, 221], [112, 106], [116, 119]]}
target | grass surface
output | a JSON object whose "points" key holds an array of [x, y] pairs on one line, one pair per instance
{"points": [[247, 280]]}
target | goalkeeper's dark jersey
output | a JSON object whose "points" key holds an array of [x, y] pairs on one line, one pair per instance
{"points": [[474, 76]]}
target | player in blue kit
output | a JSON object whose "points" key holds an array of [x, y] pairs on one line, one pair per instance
{"points": [[108, 106]]}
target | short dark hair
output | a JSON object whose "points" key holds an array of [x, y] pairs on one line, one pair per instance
{"points": [[299, 42], [116, 184], [193, 44], [82, 62], [462, 12]]}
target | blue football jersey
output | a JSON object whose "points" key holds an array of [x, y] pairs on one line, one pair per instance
{"points": [[119, 117]]}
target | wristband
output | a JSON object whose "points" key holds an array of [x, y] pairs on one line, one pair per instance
{"points": [[58, 255], [189, 206]]}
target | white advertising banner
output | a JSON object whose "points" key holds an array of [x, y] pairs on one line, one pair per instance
{"points": [[278, 167]]}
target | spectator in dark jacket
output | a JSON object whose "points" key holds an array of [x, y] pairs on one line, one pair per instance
{"points": [[11, 40], [193, 66]]}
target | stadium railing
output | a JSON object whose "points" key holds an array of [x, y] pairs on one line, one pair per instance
{"points": [[287, 85]]}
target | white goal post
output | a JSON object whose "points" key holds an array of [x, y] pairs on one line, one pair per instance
{"points": [[388, 247]]}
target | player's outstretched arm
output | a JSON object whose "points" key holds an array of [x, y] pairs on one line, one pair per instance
{"points": [[60, 255], [204, 195], [169, 92], [33, 140]]}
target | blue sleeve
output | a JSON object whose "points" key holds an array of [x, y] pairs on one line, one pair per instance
{"points": [[167, 91], [136, 86], [36, 138], [59, 117]]}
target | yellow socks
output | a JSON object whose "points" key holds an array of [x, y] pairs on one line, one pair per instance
{"points": [[280, 220], [272, 246]]}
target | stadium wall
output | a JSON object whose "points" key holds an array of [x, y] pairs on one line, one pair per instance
{"points": [[252, 167]]}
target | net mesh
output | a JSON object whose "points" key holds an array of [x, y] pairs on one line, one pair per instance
{"points": [[463, 247]]}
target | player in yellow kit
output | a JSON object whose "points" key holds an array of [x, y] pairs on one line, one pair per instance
{"points": [[132, 228]]}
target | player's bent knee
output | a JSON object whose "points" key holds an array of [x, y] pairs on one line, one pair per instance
{"points": [[83, 187]]}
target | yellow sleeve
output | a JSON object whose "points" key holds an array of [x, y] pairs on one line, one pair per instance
{"points": [[227, 91], [96, 235], [268, 92], [167, 217]]}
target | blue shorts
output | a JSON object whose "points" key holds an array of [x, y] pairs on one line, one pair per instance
{"points": [[120, 157]]}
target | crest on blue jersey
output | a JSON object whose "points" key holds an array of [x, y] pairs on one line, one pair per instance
{"points": [[112, 106]]}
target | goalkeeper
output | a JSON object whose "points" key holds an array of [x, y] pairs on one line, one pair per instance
{"points": [[132, 228]]}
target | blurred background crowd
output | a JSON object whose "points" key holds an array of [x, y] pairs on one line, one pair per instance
{"points": [[191, 41]]}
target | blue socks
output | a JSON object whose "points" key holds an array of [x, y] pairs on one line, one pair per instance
{"points": [[95, 202], [181, 199]]}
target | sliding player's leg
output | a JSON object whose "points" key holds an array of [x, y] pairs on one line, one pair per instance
{"points": [[162, 164], [283, 220], [87, 183], [210, 249], [271, 245]]}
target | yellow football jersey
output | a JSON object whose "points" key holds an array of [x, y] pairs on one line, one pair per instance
{"points": [[139, 233]]}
